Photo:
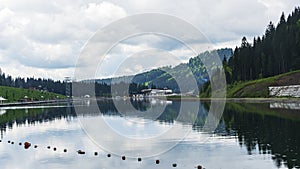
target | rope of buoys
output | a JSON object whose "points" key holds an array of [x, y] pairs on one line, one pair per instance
{"points": [[139, 159]]}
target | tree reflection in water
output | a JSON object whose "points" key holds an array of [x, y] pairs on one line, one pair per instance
{"points": [[273, 132], [256, 126]]}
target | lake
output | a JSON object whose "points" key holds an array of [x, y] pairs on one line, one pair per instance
{"points": [[248, 135]]}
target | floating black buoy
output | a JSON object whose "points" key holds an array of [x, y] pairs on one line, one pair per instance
{"points": [[48, 147], [174, 165], [199, 167], [139, 159], [123, 158], [65, 150], [35, 146], [12, 142], [20, 144], [108, 155], [54, 149], [80, 152], [157, 161], [27, 145], [95, 153], [8, 141], [0, 141]]}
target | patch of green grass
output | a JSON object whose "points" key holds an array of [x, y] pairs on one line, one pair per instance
{"points": [[254, 88], [14, 94]]}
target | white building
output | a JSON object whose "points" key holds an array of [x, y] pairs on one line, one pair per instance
{"points": [[157, 92]]}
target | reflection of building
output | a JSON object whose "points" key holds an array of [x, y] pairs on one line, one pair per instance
{"points": [[2, 111], [154, 102]]}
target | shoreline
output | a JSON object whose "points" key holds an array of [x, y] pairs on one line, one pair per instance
{"points": [[240, 100], [232, 100], [32, 103]]}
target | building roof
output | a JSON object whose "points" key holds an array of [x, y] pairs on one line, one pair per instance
{"points": [[2, 98]]}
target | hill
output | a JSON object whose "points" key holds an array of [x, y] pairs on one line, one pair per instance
{"points": [[14, 94], [165, 76], [259, 88]]}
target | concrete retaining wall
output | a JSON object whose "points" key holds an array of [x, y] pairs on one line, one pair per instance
{"points": [[291, 91]]}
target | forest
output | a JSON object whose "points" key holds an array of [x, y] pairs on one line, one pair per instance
{"points": [[276, 52]]}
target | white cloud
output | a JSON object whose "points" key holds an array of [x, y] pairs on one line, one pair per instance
{"points": [[47, 36]]}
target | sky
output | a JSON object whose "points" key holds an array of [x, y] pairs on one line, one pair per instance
{"points": [[40, 38]]}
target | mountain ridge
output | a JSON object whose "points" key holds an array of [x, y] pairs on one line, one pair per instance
{"points": [[161, 77]]}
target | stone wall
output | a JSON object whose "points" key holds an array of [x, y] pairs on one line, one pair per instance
{"points": [[290, 91]]}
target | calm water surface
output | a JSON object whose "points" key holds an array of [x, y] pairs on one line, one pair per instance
{"points": [[249, 135]]}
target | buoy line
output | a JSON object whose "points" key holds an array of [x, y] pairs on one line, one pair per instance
{"points": [[27, 145]]}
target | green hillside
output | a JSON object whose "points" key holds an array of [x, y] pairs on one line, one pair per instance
{"points": [[259, 88], [255, 88], [165, 76], [14, 94]]}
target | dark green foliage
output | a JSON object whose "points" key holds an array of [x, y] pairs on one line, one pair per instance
{"points": [[32, 83], [276, 52]]}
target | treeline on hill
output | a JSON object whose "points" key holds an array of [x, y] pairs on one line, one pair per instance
{"points": [[167, 77], [32, 83], [106, 90], [59, 87], [276, 52]]}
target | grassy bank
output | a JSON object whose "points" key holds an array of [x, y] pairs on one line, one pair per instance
{"points": [[258, 88], [14, 94]]}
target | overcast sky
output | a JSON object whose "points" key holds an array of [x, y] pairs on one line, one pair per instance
{"points": [[43, 38]]}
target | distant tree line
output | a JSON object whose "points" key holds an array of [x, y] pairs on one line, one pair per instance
{"points": [[276, 52], [59, 87], [105, 90], [50, 85]]}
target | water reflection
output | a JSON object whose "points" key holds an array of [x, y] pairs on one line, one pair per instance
{"points": [[270, 131], [257, 127], [291, 105]]}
